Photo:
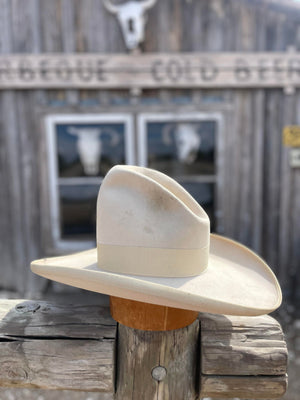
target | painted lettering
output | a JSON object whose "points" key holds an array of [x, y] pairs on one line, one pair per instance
{"points": [[156, 71], [84, 71], [174, 70], [208, 70], [63, 71], [100, 70], [44, 70], [294, 68], [278, 68], [242, 70], [26, 72], [5, 70], [263, 69], [188, 72]]}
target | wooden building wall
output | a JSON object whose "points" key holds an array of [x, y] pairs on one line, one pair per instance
{"points": [[261, 193]]}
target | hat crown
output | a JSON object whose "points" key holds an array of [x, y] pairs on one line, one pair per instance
{"points": [[140, 208]]}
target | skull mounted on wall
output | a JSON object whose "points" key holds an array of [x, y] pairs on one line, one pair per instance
{"points": [[89, 146], [132, 18], [187, 140]]}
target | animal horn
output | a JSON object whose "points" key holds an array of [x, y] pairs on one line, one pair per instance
{"points": [[148, 4], [73, 131], [114, 137], [113, 8]]}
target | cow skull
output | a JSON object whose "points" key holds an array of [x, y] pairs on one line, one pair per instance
{"points": [[132, 18], [187, 141], [89, 146]]}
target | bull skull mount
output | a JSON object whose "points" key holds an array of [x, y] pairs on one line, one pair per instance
{"points": [[186, 138], [89, 146], [132, 18]]}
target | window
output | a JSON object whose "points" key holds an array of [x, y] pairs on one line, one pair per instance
{"points": [[82, 149], [183, 146]]}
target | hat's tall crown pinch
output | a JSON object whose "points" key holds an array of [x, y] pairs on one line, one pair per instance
{"points": [[147, 224]]}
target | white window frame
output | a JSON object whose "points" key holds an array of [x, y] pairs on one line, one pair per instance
{"points": [[62, 245], [218, 177]]}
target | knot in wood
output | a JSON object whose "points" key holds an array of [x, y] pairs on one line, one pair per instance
{"points": [[27, 306], [17, 374], [159, 373]]}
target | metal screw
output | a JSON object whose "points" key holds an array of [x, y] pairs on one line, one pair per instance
{"points": [[159, 373]]}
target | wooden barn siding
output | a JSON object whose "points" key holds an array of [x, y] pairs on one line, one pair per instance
{"points": [[261, 198]]}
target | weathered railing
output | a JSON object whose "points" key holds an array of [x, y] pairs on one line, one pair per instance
{"points": [[76, 347]]}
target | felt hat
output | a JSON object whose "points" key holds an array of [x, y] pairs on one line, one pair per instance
{"points": [[154, 245]]}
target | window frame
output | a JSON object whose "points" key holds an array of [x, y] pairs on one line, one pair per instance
{"points": [[58, 243], [217, 178]]}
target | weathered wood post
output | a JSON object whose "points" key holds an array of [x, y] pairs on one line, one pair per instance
{"points": [[157, 351]]}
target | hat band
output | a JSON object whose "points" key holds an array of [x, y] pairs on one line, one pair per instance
{"points": [[149, 261]]}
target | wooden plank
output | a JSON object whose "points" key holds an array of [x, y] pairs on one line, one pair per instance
{"points": [[179, 70], [295, 252], [271, 178], [26, 38], [258, 100], [246, 25], [56, 347], [53, 41], [28, 140], [229, 387], [286, 187], [12, 232], [244, 197], [58, 364], [42, 319], [258, 115], [68, 39], [51, 35], [236, 213], [242, 346]]}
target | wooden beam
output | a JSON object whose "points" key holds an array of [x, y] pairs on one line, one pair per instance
{"points": [[151, 70], [56, 347], [248, 346], [244, 387]]}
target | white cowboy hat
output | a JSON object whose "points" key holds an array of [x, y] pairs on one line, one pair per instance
{"points": [[154, 245]]}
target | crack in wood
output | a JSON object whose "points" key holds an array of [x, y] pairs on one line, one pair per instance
{"points": [[47, 338]]}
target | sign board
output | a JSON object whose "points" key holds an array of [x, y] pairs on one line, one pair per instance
{"points": [[155, 70], [291, 136], [295, 158]]}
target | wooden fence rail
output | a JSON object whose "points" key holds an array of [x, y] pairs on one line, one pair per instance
{"points": [[77, 347]]}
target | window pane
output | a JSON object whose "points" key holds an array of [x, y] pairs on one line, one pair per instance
{"points": [[182, 148], [203, 193], [78, 211], [89, 149]]}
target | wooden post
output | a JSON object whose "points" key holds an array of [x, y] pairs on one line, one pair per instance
{"points": [[157, 351], [158, 365]]}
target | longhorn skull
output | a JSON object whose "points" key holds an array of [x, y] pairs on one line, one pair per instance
{"points": [[132, 18], [187, 141], [89, 146]]}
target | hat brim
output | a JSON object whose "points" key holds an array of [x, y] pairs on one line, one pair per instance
{"points": [[236, 282]]}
